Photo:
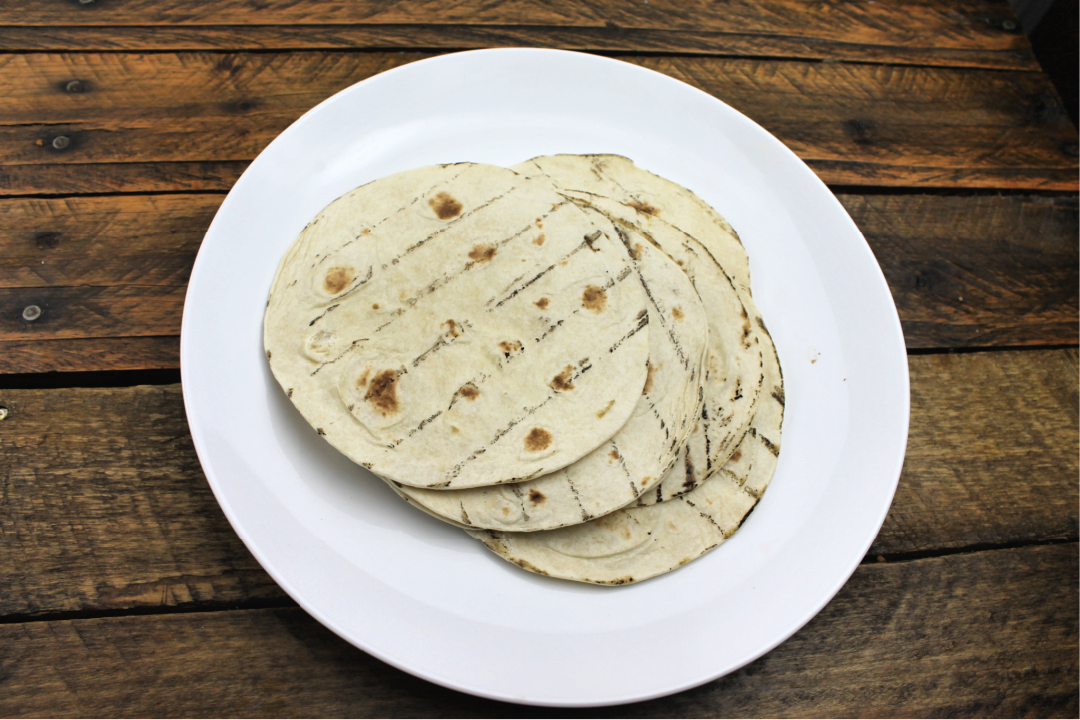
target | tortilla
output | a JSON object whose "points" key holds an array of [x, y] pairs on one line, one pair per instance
{"points": [[660, 208], [457, 326], [635, 543], [639, 454]]}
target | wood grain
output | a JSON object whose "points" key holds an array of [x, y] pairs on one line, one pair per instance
{"points": [[996, 48], [941, 637], [966, 31], [140, 525], [89, 354], [854, 124], [119, 178], [105, 505], [978, 271], [136, 240]]}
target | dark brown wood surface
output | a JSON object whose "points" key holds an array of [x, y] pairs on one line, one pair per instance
{"points": [[854, 124], [125, 592]]}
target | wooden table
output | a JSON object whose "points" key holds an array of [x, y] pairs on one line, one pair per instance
{"points": [[124, 591]]}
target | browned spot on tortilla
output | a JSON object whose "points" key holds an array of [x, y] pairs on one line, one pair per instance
{"points": [[509, 347], [561, 382], [614, 455], [646, 480], [542, 303], [538, 439], [594, 298], [454, 430], [365, 231], [482, 253], [336, 279], [601, 413], [735, 456], [635, 252], [563, 263], [469, 392], [506, 510], [445, 206], [539, 239], [383, 392], [536, 497], [452, 328], [677, 313], [648, 379], [375, 306], [539, 224], [643, 207], [362, 382], [680, 262]]}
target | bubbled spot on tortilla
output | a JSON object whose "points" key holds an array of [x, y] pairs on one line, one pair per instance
{"points": [[469, 392], [536, 497], [539, 239], [594, 298], [382, 393], [561, 382], [337, 279], [538, 439], [509, 347], [445, 206], [482, 253], [677, 313], [542, 303]]}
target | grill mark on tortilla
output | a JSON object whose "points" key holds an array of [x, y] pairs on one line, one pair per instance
{"points": [[704, 515], [521, 500], [778, 395], [536, 277], [769, 445], [643, 321], [464, 514], [420, 427], [456, 470], [346, 351], [323, 314], [662, 319]]}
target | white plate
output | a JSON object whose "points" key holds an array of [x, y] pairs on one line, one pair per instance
{"points": [[422, 595]]}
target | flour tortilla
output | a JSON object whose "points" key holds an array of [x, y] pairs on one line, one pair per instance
{"points": [[458, 326], [636, 543], [634, 460], [662, 209]]}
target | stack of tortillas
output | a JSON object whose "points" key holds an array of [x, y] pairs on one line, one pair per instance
{"points": [[563, 358]]}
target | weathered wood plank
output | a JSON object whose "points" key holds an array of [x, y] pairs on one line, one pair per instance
{"points": [[116, 240], [118, 178], [106, 507], [975, 31], [964, 271], [91, 312], [854, 124], [991, 452], [88, 354], [993, 48], [140, 525], [990, 634], [977, 271]]}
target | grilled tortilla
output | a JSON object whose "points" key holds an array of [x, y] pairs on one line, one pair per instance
{"points": [[457, 326], [633, 461]]}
